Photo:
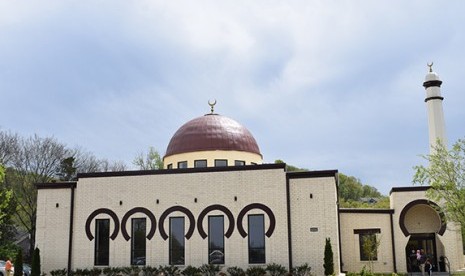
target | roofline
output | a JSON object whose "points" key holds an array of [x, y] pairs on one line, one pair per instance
{"points": [[181, 171], [56, 185], [409, 189], [366, 210], [310, 174]]}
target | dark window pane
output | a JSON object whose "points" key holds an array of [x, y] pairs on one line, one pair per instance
{"points": [[138, 241], [221, 163], [368, 247], [239, 163], [216, 240], [200, 163], [102, 242], [182, 165], [170, 166], [256, 239], [176, 241]]}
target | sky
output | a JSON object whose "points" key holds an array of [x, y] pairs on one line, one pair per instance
{"points": [[321, 85]]}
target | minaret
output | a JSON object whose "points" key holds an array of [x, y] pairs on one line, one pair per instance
{"points": [[433, 100]]}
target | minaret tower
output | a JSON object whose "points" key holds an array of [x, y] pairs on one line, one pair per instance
{"points": [[433, 100]]}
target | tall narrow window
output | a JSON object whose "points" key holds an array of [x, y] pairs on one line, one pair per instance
{"points": [[216, 240], [256, 239], [182, 165], [369, 243], [138, 241], [176, 241], [102, 242]]}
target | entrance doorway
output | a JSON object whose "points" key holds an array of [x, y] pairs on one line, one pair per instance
{"points": [[427, 242]]}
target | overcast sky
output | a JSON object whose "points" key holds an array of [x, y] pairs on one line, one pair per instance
{"points": [[320, 84]]}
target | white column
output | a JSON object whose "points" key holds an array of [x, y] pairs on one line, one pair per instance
{"points": [[433, 100]]}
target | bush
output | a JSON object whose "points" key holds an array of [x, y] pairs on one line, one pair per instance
{"points": [[59, 272], [150, 271], [235, 271], [209, 269], [19, 263], [191, 271], [303, 270], [328, 259], [255, 271], [35, 266], [276, 269], [170, 270]]}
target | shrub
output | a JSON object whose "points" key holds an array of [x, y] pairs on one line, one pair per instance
{"points": [[191, 271], [19, 263], [35, 266], [150, 271], [255, 271], [328, 259], [276, 269], [235, 271], [170, 270], [209, 269], [303, 270], [59, 272]]}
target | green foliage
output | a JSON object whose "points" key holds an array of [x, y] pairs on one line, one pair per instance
{"points": [[255, 271], [276, 269], [35, 265], [150, 161], [191, 271], [328, 259], [290, 168], [67, 171], [19, 263], [209, 269], [149, 271], [235, 271], [302, 270], [59, 272], [7, 208], [352, 194], [445, 174], [8, 249], [370, 245], [170, 270]]}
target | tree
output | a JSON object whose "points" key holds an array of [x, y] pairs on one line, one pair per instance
{"points": [[19, 263], [38, 160], [446, 177], [328, 259], [370, 245], [290, 168], [150, 161], [35, 265], [7, 208]]}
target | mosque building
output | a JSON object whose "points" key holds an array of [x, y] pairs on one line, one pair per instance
{"points": [[215, 202]]}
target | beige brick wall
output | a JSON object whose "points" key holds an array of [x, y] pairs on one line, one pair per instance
{"points": [[252, 186], [351, 246], [52, 227], [450, 244], [319, 212]]}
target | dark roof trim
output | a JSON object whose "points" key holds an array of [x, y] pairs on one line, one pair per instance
{"points": [[55, 185], [367, 231], [366, 210], [180, 171], [310, 174], [409, 189]]}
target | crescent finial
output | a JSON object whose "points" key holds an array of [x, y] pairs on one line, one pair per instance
{"points": [[212, 104], [430, 65]]}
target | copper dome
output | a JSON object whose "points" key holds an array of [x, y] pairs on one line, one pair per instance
{"points": [[212, 132]]}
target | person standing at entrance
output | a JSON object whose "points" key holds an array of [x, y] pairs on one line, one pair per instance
{"points": [[9, 267], [429, 267], [422, 261]]}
